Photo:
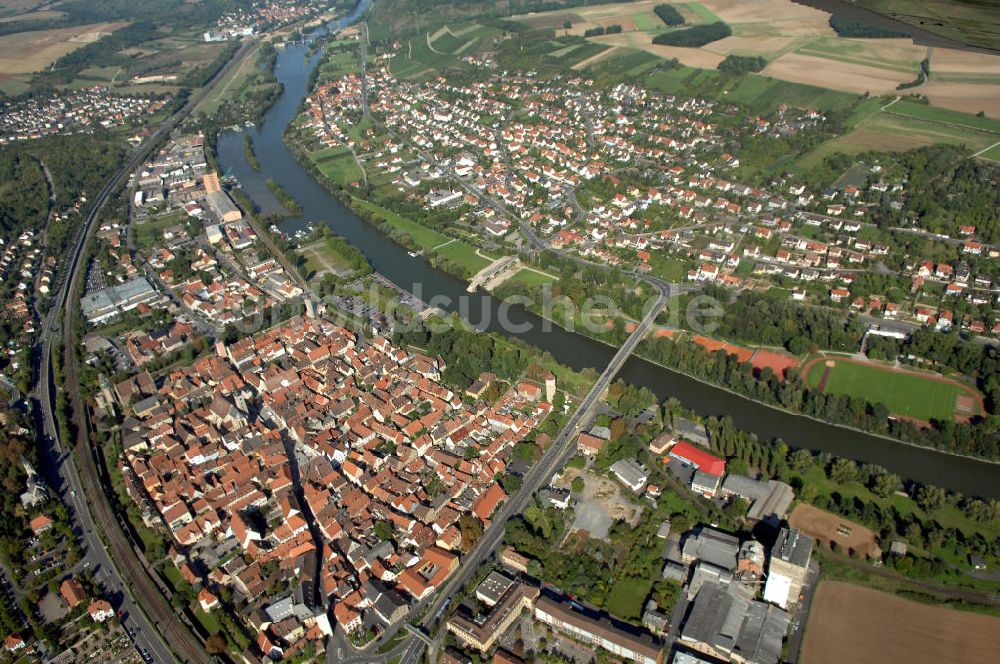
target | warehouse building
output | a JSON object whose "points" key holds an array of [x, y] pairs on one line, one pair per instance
{"points": [[725, 622]]}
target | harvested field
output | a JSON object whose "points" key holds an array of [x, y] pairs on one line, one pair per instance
{"points": [[898, 54], [28, 52], [855, 78], [595, 16], [849, 623], [827, 527], [965, 97], [946, 60], [780, 14], [42, 15], [769, 47], [16, 6]]}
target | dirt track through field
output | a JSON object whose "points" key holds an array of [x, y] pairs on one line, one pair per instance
{"points": [[855, 624]]}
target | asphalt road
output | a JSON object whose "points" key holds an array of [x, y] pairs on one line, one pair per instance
{"points": [[147, 616]]}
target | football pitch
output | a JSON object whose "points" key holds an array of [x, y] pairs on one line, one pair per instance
{"points": [[904, 393]]}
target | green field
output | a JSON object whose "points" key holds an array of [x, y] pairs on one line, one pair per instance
{"points": [[762, 92], [895, 133], [905, 394], [627, 597], [149, 233], [934, 114], [338, 164], [531, 278], [667, 267], [463, 254], [570, 55], [648, 22], [208, 621], [699, 12], [447, 42], [625, 64], [425, 238], [993, 153], [415, 59]]}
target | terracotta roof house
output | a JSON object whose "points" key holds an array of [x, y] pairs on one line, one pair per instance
{"points": [[487, 503], [72, 592]]}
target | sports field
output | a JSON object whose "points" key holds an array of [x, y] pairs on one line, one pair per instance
{"points": [[849, 623], [921, 396]]}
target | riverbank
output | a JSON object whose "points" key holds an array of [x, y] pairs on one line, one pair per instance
{"points": [[641, 352], [578, 352], [869, 417], [351, 202]]}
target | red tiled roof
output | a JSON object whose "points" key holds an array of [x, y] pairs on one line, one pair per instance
{"points": [[488, 502], [699, 458]]}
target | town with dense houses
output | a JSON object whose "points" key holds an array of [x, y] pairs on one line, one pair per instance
{"points": [[575, 163], [389, 463], [74, 112]]}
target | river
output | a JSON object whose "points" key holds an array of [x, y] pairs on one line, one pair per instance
{"points": [[970, 476]]}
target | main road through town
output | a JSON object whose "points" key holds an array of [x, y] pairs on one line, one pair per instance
{"points": [[155, 628]]}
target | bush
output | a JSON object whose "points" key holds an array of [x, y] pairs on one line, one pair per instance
{"points": [[742, 64], [578, 484], [695, 36], [849, 27], [669, 15], [596, 32]]}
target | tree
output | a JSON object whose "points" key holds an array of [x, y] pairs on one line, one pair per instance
{"points": [[679, 523], [383, 530], [736, 509], [930, 497], [471, 530], [843, 470], [617, 428], [737, 467], [884, 484], [669, 15], [800, 460], [578, 484], [215, 645]]}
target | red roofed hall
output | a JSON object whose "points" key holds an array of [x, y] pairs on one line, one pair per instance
{"points": [[698, 458]]}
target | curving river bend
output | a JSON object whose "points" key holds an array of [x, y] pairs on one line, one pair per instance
{"points": [[970, 476]]}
